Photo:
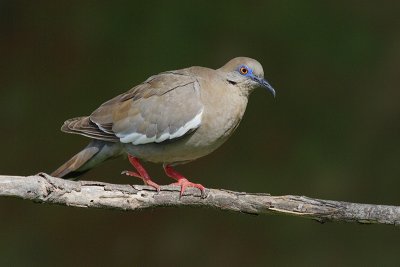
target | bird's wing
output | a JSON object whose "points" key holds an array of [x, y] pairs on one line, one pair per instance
{"points": [[84, 126], [166, 106]]}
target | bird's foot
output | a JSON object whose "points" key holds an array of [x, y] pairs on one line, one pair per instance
{"points": [[141, 173], [184, 183], [147, 181]]}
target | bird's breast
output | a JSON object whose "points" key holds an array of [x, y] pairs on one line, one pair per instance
{"points": [[222, 114]]}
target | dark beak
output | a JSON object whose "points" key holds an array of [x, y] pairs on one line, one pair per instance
{"points": [[263, 83]]}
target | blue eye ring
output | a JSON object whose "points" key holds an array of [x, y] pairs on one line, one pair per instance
{"points": [[243, 70]]}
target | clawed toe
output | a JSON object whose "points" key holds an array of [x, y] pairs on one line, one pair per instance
{"points": [[153, 184], [146, 181], [131, 173], [184, 183]]}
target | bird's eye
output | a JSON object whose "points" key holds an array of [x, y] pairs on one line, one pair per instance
{"points": [[243, 70]]}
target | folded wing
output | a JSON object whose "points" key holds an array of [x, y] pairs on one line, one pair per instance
{"points": [[165, 107]]}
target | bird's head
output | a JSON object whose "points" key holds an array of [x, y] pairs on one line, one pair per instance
{"points": [[246, 73]]}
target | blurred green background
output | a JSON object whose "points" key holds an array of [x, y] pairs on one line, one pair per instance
{"points": [[333, 131]]}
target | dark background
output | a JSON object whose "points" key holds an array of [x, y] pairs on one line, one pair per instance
{"points": [[333, 131]]}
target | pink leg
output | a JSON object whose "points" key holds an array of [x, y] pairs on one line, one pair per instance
{"points": [[181, 180], [141, 172]]}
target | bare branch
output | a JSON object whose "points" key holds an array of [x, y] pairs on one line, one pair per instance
{"points": [[43, 188]]}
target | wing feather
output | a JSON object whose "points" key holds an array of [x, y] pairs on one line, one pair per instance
{"points": [[166, 106]]}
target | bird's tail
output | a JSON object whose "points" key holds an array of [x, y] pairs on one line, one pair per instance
{"points": [[95, 153]]}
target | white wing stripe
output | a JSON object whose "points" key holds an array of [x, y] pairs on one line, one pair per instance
{"points": [[140, 139]]}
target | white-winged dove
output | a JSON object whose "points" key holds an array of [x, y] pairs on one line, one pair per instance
{"points": [[171, 118]]}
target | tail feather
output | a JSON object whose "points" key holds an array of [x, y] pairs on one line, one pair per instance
{"points": [[69, 168], [95, 153]]}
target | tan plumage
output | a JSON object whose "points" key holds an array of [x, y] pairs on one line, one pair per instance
{"points": [[173, 117]]}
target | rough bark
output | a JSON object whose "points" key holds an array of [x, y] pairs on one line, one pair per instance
{"points": [[43, 188]]}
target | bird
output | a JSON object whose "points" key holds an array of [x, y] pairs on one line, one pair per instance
{"points": [[171, 118]]}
